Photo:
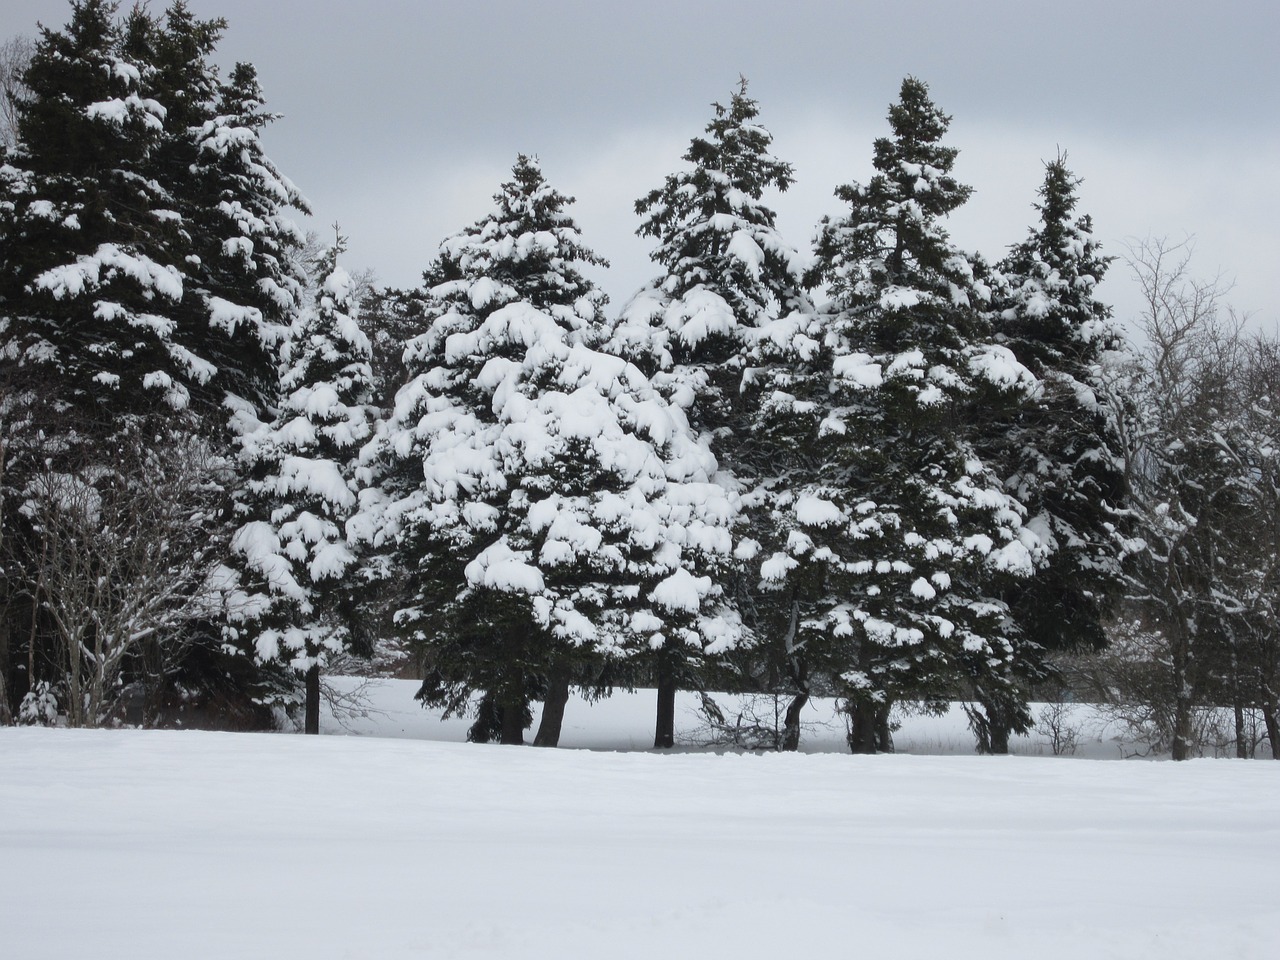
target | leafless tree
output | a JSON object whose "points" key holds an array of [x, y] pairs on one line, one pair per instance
{"points": [[124, 563], [15, 56], [1194, 472]]}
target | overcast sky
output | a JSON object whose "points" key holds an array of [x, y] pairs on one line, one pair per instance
{"points": [[401, 117]]}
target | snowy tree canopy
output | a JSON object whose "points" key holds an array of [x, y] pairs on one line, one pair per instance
{"points": [[895, 539], [727, 269], [120, 284], [1063, 454], [89, 277], [544, 498], [292, 552]]}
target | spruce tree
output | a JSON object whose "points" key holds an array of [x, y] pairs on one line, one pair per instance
{"points": [[1064, 451], [727, 273], [90, 261], [292, 552], [245, 277], [906, 530], [130, 192], [90, 284], [145, 245], [552, 513]]}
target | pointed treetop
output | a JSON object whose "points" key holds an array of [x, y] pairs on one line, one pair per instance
{"points": [[1049, 281], [717, 241], [1058, 192], [913, 160], [739, 149], [1059, 238], [893, 233], [529, 249]]}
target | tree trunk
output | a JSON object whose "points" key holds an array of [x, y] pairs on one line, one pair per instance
{"points": [[799, 667], [1237, 701], [1180, 659], [992, 728], [999, 739], [6, 710], [1180, 748], [311, 724], [884, 737], [553, 705], [791, 722], [862, 728], [664, 736], [512, 710], [1273, 728]]}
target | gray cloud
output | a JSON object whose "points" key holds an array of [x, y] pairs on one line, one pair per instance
{"points": [[402, 117]]}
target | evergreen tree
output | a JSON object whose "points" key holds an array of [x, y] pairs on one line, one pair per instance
{"points": [[550, 510], [727, 269], [90, 271], [1062, 454], [728, 272], [901, 541], [89, 287], [246, 280], [293, 556], [788, 398], [147, 245], [132, 189]]}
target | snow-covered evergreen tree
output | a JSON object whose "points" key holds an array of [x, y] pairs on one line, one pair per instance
{"points": [[787, 395], [728, 272], [141, 288], [90, 266], [549, 508], [899, 543], [248, 284], [727, 269], [144, 253], [292, 552], [1062, 454]]}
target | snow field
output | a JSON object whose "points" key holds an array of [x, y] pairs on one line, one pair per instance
{"points": [[129, 844]]}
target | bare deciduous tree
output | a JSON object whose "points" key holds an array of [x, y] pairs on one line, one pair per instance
{"points": [[1195, 471], [125, 563], [15, 55]]}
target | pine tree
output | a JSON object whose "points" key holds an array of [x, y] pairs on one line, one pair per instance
{"points": [[787, 394], [245, 277], [728, 273], [906, 532], [727, 269], [551, 511], [89, 287], [129, 191], [293, 553], [145, 245], [89, 269], [1063, 454]]}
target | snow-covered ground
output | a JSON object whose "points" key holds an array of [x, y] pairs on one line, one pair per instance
{"points": [[187, 845]]}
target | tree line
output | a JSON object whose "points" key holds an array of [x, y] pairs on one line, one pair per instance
{"points": [[887, 472]]}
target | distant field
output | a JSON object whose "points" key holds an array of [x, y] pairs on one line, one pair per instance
{"points": [[624, 721]]}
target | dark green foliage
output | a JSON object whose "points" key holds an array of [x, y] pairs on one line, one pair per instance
{"points": [[551, 512], [296, 570], [1064, 456], [119, 313], [897, 545]]}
